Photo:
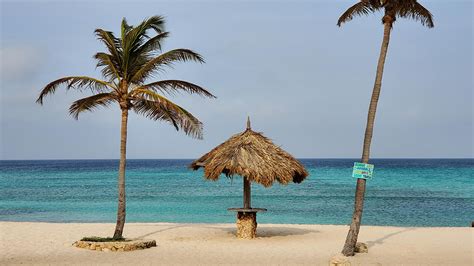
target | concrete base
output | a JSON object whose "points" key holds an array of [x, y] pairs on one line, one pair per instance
{"points": [[246, 225]]}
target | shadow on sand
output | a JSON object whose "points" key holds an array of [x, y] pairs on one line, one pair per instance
{"points": [[264, 231], [161, 230], [381, 240]]}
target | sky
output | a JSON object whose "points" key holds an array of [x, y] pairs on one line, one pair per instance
{"points": [[304, 82]]}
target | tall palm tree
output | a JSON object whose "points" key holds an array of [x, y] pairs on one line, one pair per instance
{"points": [[129, 61], [392, 10]]}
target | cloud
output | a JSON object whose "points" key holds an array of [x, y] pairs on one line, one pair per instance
{"points": [[18, 62]]}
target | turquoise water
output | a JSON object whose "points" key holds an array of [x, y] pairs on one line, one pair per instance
{"points": [[404, 192]]}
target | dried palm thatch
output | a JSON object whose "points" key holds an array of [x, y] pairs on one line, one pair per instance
{"points": [[254, 157]]}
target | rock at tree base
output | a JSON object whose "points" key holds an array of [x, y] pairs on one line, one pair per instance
{"points": [[339, 260], [246, 225], [361, 248]]}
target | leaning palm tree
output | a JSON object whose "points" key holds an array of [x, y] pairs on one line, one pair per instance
{"points": [[392, 10], [129, 61]]}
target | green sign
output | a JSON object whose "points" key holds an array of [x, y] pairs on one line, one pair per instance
{"points": [[363, 170]]}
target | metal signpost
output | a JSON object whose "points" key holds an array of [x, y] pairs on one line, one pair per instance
{"points": [[363, 170]]}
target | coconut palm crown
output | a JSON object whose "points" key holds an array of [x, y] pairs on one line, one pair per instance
{"points": [[392, 9], [130, 60], [410, 9]]}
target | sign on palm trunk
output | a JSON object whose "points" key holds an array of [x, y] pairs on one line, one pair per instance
{"points": [[363, 170]]}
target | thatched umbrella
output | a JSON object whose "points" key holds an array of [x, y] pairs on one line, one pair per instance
{"points": [[255, 158]]}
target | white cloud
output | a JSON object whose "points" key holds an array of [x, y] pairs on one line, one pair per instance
{"points": [[17, 62]]}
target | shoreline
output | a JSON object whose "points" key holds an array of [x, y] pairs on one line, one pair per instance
{"points": [[215, 243], [232, 223]]}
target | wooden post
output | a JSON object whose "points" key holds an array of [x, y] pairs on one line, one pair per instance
{"points": [[247, 190], [246, 221]]}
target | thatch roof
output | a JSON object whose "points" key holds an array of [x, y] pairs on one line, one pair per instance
{"points": [[252, 155]]}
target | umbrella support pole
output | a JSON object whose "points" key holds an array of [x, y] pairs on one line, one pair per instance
{"points": [[247, 190]]}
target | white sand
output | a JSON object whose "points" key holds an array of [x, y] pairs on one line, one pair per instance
{"points": [[204, 244]]}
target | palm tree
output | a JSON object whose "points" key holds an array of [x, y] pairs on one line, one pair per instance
{"points": [[129, 61], [392, 9]]}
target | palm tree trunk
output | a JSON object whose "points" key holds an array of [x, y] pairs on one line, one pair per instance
{"points": [[121, 178], [353, 233]]}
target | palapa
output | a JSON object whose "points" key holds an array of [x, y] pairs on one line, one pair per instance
{"points": [[252, 156], [255, 158]]}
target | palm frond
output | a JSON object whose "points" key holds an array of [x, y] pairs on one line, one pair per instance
{"points": [[110, 67], [141, 55], [152, 44], [92, 102], [157, 107], [137, 36], [165, 59], [417, 12], [359, 9], [112, 43], [76, 82], [156, 23], [125, 28], [173, 86]]}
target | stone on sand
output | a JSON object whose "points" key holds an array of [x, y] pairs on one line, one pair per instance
{"points": [[361, 248]]}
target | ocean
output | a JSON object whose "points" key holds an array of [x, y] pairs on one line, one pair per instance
{"points": [[403, 192]]}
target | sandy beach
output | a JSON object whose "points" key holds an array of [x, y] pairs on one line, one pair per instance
{"points": [[205, 244]]}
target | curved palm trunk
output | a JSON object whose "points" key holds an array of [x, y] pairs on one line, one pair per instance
{"points": [[353, 233], [121, 178]]}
